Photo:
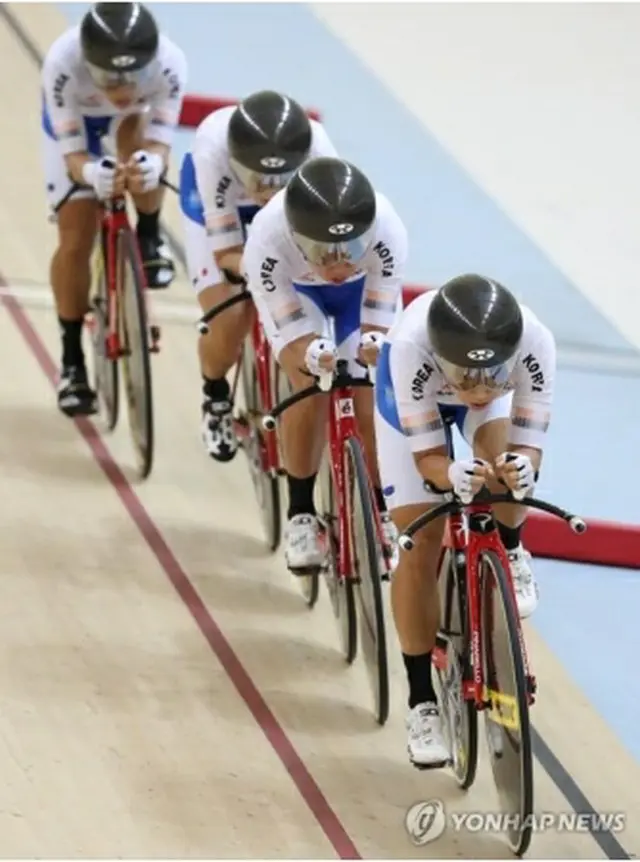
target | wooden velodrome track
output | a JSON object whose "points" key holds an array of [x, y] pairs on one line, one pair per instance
{"points": [[164, 691]]}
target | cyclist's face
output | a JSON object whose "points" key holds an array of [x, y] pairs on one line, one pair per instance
{"points": [[478, 397], [120, 95], [261, 197], [337, 272]]}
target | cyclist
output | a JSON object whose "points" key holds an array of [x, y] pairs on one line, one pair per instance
{"points": [[327, 247], [470, 355], [240, 158], [112, 84]]}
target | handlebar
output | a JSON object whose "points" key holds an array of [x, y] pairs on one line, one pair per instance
{"points": [[405, 540], [76, 187], [340, 379]]}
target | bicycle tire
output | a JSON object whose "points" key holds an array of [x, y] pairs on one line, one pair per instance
{"points": [[136, 360], [341, 592], [511, 758], [454, 628], [105, 370], [368, 585], [267, 488]]}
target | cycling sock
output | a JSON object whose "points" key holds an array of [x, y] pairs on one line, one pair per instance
{"points": [[72, 353], [419, 675], [301, 495], [510, 536], [217, 389], [149, 225], [380, 500]]}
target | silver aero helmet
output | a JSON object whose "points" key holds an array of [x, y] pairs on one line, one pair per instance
{"points": [[330, 207], [475, 327], [119, 43]]}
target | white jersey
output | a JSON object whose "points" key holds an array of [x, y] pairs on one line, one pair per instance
{"points": [[274, 265], [70, 94], [220, 191], [419, 387]]}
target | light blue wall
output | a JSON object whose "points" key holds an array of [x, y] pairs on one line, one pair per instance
{"points": [[234, 49]]}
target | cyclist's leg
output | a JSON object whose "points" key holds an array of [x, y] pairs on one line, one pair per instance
{"points": [[220, 348], [346, 309], [70, 275], [487, 430], [129, 134], [303, 437], [414, 587]]}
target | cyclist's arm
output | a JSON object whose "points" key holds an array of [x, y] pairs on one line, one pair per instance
{"points": [[164, 114], [415, 382], [533, 396], [59, 91], [217, 192], [277, 301], [386, 263]]}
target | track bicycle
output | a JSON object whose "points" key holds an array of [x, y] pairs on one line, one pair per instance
{"points": [[261, 378], [121, 331], [357, 558], [480, 656]]}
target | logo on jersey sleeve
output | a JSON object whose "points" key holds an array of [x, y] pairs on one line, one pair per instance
{"points": [[422, 377], [221, 192], [267, 268], [173, 83], [386, 259], [58, 89], [535, 372]]}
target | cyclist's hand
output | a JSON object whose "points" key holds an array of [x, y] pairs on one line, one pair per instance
{"points": [[321, 356], [468, 477], [144, 171], [517, 472], [369, 347], [105, 176]]}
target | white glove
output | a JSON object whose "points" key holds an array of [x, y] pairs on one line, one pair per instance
{"points": [[321, 347], [372, 339], [461, 475], [151, 167], [100, 176], [526, 473]]}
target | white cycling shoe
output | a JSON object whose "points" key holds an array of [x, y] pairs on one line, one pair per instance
{"points": [[524, 583], [426, 742], [304, 544]]}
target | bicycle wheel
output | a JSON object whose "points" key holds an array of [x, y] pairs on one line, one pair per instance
{"points": [[340, 590], [507, 717], [367, 554], [460, 715], [267, 488], [136, 360], [105, 369]]}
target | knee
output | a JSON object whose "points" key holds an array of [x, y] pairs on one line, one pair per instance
{"points": [[75, 245]]}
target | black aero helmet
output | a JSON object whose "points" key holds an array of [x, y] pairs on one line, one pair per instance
{"points": [[475, 327], [119, 41], [269, 137], [330, 207]]}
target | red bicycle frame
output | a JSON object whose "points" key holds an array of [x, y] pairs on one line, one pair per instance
{"points": [[269, 453], [342, 426], [471, 546], [113, 221]]}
